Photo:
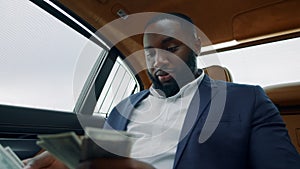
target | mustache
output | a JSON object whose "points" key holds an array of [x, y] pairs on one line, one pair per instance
{"points": [[161, 71]]}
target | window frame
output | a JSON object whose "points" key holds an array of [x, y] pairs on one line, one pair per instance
{"points": [[19, 126]]}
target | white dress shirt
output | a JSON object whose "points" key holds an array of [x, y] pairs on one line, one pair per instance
{"points": [[158, 121]]}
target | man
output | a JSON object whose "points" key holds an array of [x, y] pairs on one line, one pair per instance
{"points": [[187, 120]]}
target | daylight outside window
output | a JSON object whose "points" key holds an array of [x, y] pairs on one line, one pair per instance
{"points": [[42, 63], [264, 65]]}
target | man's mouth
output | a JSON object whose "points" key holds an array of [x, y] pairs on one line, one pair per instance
{"points": [[163, 76]]}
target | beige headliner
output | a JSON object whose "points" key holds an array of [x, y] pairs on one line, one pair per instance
{"points": [[248, 22]]}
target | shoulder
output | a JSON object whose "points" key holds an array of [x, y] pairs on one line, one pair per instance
{"points": [[119, 115], [237, 92], [140, 94], [137, 97], [231, 86], [247, 90], [133, 99]]}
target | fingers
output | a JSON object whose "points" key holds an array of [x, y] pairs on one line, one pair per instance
{"points": [[25, 162], [36, 162], [42, 160]]}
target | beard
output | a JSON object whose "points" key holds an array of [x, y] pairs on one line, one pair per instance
{"points": [[172, 87]]}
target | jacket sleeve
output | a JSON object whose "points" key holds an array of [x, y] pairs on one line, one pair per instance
{"points": [[270, 145]]}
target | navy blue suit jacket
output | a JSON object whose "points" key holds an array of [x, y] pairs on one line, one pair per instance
{"points": [[227, 126]]}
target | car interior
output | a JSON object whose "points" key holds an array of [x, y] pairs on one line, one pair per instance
{"points": [[226, 25]]}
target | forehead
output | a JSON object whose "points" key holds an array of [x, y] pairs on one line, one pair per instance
{"points": [[164, 29]]}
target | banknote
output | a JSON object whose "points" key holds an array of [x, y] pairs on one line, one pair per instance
{"points": [[7, 161], [99, 143], [96, 143], [14, 156], [64, 146]]}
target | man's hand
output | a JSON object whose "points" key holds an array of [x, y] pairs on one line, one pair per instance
{"points": [[44, 161], [121, 163]]}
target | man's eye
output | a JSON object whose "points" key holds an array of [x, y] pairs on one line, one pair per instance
{"points": [[172, 49]]}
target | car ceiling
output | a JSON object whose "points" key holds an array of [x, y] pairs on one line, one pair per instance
{"points": [[249, 22]]}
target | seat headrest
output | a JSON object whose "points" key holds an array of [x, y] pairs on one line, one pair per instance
{"points": [[217, 72]]}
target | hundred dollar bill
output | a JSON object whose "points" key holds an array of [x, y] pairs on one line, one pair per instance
{"points": [[6, 161], [14, 156], [64, 146], [99, 143]]}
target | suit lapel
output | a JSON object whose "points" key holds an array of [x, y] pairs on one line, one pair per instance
{"points": [[206, 91], [119, 118]]}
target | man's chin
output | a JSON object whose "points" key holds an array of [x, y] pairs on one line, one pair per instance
{"points": [[167, 83], [167, 89]]}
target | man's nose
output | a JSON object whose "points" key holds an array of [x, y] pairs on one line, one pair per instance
{"points": [[161, 58]]}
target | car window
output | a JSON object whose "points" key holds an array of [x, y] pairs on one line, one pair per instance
{"points": [[264, 65], [44, 63], [120, 84]]}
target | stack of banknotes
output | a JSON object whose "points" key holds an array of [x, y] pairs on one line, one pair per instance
{"points": [[8, 159], [96, 143]]}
